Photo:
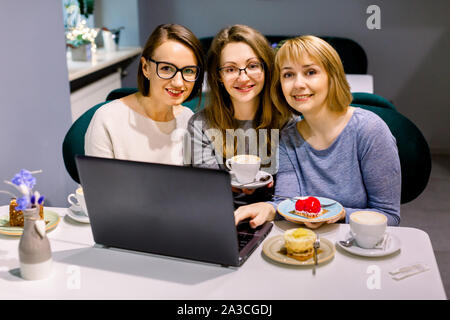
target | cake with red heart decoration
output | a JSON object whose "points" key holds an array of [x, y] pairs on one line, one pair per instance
{"points": [[308, 207]]}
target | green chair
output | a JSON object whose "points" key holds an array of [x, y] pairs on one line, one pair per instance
{"points": [[120, 93], [414, 153], [364, 98], [73, 143]]}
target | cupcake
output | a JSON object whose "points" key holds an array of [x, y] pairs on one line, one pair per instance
{"points": [[299, 243], [308, 207]]}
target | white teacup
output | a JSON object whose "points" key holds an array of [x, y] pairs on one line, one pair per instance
{"points": [[368, 228], [79, 197], [245, 167]]}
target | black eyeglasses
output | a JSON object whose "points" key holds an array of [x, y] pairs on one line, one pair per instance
{"points": [[253, 69], [166, 70]]}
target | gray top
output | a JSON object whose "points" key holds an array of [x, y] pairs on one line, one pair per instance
{"points": [[361, 169], [202, 152], [199, 151]]}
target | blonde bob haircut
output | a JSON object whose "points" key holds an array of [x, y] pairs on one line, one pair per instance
{"points": [[293, 50]]}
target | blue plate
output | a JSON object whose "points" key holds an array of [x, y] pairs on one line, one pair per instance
{"points": [[286, 207]]}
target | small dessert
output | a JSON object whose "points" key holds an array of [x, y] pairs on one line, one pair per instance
{"points": [[299, 243], [16, 216], [309, 207]]}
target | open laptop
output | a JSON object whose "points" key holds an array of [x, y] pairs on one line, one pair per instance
{"points": [[170, 210]]}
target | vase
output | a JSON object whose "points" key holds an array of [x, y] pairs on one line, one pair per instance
{"points": [[109, 41], [82, 53], [35, 254]]}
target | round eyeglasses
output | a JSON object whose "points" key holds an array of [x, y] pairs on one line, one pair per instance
{"points": [[253, 69], [166, 70]]}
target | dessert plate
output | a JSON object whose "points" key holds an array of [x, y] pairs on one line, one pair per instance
{"points": [[77, 215], [75, 208], [261, 175], [274, 249], [393, 244], [51, 221], [286, 208]]}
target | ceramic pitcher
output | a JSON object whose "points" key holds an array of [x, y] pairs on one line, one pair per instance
{"points": [[35, 254]]}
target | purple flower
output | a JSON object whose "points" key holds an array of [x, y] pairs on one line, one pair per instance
{"points": [[23, 203], [24, 183], [24, 177]]}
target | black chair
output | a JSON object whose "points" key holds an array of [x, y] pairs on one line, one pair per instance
{"points": [[353, 56]]}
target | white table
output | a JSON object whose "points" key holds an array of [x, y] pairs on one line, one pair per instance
{"points": [[84, 271]]}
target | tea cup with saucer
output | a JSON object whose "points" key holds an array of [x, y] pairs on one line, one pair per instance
{"points": [[244, 167], [78, 210]]}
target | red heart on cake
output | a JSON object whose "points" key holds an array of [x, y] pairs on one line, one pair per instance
{"points": [[312, 205], [300, 205]]}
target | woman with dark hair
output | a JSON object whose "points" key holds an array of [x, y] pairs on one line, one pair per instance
{"points": [[239, 73], [148, 125]]}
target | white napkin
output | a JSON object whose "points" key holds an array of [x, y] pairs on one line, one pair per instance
{"points": [[408, 271]]}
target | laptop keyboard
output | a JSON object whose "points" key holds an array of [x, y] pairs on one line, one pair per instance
{"points": [[243, 239], [245, 234]]}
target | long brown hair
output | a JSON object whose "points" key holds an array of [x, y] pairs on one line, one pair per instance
{"points": [[219, 111], [180, 34]]}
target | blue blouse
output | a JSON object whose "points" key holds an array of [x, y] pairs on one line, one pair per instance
{"points": [[361, 168]]}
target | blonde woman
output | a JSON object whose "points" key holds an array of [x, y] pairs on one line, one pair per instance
{"points": [[335, 151]]}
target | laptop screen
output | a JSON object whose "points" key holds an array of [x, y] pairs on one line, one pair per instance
{"points": [[170, 210]]}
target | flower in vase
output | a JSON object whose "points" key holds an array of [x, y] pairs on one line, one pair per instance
{"points": [[24, 182], [81, 35]]}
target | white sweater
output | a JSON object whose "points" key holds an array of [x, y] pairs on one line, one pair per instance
{"points": [[117, 131]]}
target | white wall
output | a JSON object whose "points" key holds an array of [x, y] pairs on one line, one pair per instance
{"points": [[117, 13], [34, 96], [113, 14], [408, 56]]}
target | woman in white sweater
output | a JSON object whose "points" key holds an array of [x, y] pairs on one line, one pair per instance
{"points": [[149, 125]]}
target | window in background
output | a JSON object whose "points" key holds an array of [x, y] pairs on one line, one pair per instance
{"points": [[74, 11]]}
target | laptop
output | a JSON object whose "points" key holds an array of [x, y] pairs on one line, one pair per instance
{"points": [[176, 211]]}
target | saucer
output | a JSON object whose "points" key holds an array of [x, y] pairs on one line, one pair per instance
{"points": [[75, 208], [273, 249], [393, 245], [51, 221], [252, 185], [286, 208], [77, 215]]}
